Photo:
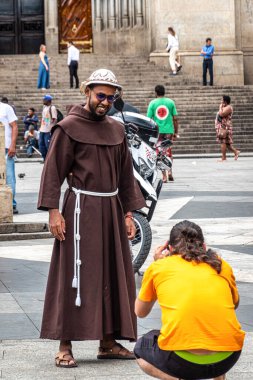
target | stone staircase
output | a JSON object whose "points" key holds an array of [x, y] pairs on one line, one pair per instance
{"points": [[196, 105], [24, 231]]}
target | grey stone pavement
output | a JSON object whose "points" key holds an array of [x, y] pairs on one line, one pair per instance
{"points": [[218, 196]]}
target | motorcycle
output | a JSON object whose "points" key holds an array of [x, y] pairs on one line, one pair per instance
{"points": [[142, 136]]}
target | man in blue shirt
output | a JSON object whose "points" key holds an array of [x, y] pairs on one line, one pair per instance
{"points": [[31, 119], [207, 52]]}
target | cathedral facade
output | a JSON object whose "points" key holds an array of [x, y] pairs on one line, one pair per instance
{"points": [[136, 27]]}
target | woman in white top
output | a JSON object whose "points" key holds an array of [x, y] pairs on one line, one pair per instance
{"points": [[172, 48]]}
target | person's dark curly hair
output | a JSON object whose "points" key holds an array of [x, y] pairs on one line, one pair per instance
{"points": [[186, 239], [160, 90]]}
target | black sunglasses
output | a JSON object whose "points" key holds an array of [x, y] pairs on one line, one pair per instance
{"points": [[101, 97]]}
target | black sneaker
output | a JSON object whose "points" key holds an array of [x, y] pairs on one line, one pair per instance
{"points": [[15, 211], [179, 68]]}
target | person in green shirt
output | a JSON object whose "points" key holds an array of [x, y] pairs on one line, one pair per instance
{"points": [[163, 111]]}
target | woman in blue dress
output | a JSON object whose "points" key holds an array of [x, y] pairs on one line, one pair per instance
{"points": [[43, 79]]}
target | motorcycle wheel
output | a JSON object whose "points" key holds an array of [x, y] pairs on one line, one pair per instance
{"points": [[141, 244]]}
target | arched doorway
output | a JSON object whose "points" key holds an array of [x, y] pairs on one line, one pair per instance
{"points": [[75, 24], [21, 26]]}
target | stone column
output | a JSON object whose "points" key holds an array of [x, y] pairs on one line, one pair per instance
{"points": [[99, 20], [6, 214], [51, 26], [112, 14], [139, 13], [125, 14]]}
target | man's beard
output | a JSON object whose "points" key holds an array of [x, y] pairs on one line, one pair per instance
{"points": [[94, 114]]}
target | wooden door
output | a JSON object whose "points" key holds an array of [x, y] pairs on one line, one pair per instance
{"points": [[8, 26], [75, 24]]}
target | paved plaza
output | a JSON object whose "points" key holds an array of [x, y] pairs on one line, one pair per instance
{"points": [[217, 196]]}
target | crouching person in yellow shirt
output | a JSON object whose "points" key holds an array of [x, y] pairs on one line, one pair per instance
{"points": [[200, 336]]}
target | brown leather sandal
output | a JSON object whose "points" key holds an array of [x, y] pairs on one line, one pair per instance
{"points": [[116, 352], [65, 357]]}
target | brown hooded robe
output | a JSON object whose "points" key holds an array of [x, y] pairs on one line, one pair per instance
{"points": [[97, 155]]}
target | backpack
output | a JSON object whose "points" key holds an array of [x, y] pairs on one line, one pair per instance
{"points": [[59, 115]]}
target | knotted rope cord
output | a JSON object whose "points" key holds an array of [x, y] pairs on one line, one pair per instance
{"points": [[77, 237]]}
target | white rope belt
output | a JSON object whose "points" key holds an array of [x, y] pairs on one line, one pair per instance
{"points": [[77, 237]]}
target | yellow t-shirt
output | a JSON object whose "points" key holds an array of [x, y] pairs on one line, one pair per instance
{"points": [[197, 305]]}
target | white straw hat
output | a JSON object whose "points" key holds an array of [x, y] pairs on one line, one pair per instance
{"points": [[102, 76]]}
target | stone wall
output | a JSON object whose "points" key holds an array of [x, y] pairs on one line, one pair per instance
{"points": [[194, 21], [121, 27], [138, 27], [51, 26], [228, 23], [245, 37]]}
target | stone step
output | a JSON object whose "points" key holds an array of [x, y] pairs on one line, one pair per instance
{"points": [[182, 113], [197, 105], [24, 231], [10, 228], [202, 109], [184, 132], [148, 91], [143, 96], [210, 145], [25, 236], [193, 105], [146, 94], [216, 90], [237, 131], [203, 150], [19, 109], [205, 128], [207, 143], [185, 136], [24, 155]]}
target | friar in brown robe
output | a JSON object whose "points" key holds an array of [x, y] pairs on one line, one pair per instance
{"points": [[90, 150]]}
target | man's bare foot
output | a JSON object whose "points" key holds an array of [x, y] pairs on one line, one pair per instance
{"points": [[110, 349], [117, 351], [222, 160], [237, 154], [65, 359], [165, 178]]}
